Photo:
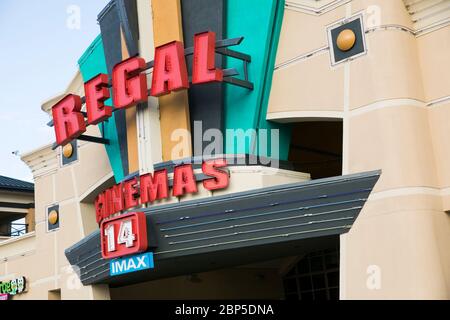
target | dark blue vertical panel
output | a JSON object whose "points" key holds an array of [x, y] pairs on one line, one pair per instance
{"points": [[110, 27], [205, 101], [127, 10]]}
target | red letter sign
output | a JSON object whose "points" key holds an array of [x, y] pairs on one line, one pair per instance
{"points": [[169, 71], [204, 69], [184, 180], [220, 180], [131, 193], [124, 235], [96, 94], [68, 120], [154, 188], [129, 90], [99, 207], [115, 199]]}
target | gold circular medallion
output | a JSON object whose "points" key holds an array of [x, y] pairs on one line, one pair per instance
{"points": [[53, 217], [68, 150], [346, 40]]}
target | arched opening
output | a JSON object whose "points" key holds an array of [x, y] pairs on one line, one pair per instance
{"points": [[316, 148]]}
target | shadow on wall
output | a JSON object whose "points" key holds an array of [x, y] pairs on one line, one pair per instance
{"points": [[316, 148]]}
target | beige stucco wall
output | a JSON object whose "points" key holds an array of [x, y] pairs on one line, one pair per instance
{"points": [[62, 185], [404, 229], [433, 49], [394, 102], [39, 256], [73, 188]]}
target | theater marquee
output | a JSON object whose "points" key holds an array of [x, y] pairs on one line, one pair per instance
{"points": [[164, 216]]}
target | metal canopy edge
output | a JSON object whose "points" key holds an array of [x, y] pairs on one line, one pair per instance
{"points": [[235, 229]]}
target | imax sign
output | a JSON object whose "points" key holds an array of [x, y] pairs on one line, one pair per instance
{"points": [[131, 264]]}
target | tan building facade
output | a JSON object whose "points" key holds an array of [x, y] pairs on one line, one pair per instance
{"points": [[392, 103], [380, 105]]}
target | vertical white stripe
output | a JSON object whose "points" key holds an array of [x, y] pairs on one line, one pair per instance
{"points": [[346, 118], [147, 118], [55, 252], [91, 293], [343, 267], [78, 204], [54, 188], [345, 168]]}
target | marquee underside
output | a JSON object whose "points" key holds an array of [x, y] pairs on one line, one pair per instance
{"points": [[237, 229]]}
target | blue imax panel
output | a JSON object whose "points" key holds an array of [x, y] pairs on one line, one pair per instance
{"points": [[131, 264]]}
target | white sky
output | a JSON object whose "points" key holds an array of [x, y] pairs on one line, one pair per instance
{"points": [[39, 55]]}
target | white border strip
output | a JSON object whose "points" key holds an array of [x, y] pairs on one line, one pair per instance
{"points": [[302, 116], [387, 104], [408, 191], [302, 57], [299, 116], [394, 27], [315, 10], [439, 101]]}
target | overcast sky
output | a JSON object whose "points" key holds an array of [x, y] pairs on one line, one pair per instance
{"points": [[40, 47]]}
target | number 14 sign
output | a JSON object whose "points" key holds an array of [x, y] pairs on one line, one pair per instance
{"points": [[124, 235]]}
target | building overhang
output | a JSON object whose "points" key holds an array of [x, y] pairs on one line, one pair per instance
{"points": [[236, 229]]}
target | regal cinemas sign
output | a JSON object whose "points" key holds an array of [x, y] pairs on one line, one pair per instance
{"points": [[126, 233], [129, 85], [149, 188]]}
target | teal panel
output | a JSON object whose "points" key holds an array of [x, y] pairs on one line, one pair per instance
{"points": [[285, 130], [91, 64], [259, 21]]}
